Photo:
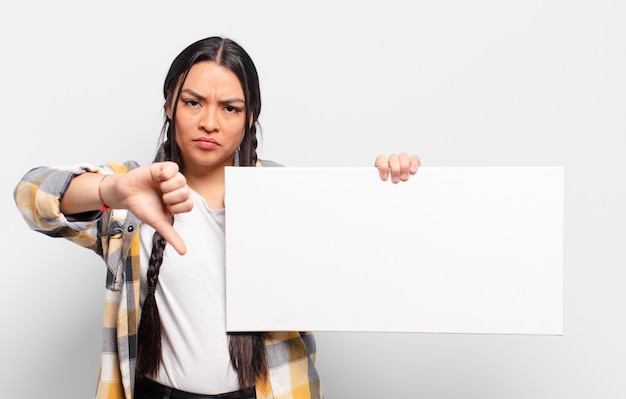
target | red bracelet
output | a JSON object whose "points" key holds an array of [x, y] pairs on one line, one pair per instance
{"points": [[104, 207]]}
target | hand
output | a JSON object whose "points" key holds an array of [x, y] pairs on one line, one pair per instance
{"points": [[400, 166], [152, 193]]}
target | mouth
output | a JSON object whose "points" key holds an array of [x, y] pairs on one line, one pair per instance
{"points": [[206, 143]]}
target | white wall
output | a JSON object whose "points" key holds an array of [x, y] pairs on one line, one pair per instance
{"points": [[460, 83]]}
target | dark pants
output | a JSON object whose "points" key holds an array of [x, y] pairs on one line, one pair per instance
{"points": [[148, 389]]}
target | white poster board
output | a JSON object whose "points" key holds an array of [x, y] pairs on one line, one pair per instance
{"points": [[453, 250]]}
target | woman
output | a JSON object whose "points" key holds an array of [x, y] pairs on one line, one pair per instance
{"points": [[129, 213]]}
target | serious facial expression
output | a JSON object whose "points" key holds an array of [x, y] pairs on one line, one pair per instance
{"points": [[210, 117]]}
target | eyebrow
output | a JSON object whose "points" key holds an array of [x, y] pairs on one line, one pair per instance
{"points": [[203, 98]]}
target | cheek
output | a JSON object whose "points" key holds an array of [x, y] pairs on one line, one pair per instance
{"points": [[240, 138], [183, 125], [236, 134]]}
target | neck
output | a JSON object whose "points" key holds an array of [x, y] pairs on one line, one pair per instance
{"points": [[209, 184]]}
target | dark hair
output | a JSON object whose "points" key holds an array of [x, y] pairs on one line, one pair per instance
{"points": [[247, 350]]}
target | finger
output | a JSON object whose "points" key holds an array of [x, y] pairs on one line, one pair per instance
{"points": [[404, 166], [179, 196], [383, 167], [181, 207], [415, 164], [164, 171], [171, 236], [394, 167], [175, 183], [178, 201]]}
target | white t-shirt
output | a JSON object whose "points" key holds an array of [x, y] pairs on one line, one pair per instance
{"points": [[192, 304]]}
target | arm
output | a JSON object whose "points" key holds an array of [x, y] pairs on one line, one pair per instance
{"points": [[49, 199], [38, 197]]}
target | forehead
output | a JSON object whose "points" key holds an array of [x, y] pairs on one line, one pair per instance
{"points": [[207, 77]]}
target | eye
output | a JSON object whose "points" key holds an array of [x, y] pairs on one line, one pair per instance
{"points": [[232, 109], [191, 103]]}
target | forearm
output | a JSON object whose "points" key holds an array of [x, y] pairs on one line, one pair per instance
{"points": [[41, 191], [89, 192]]}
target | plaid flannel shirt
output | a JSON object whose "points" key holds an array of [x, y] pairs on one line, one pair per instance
{"points": [[114, 236]]}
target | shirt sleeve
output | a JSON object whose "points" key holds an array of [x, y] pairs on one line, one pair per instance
{"points": [[38, 198]]}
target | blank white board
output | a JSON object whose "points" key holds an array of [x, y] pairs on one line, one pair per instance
{"points": [[452, 250]]}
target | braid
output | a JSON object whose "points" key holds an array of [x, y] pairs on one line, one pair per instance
{"points": [[149, 335], [254, 144], [247, 354], [248, 155], [247, 350]]}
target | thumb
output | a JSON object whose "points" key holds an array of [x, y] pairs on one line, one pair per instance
{"points": [[171, 236]]}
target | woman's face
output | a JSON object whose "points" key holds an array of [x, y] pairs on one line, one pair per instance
{"points": [[210, 117]]}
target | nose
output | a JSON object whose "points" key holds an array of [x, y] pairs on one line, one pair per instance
{"points": [[208, 120]]}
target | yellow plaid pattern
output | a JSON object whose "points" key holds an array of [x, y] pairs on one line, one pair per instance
{"points": [[113, 235]]}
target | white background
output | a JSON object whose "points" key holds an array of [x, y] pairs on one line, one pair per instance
{"points": [[461, 83]]}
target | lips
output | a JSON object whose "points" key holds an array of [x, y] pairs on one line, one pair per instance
{"points": [[206, 143]]}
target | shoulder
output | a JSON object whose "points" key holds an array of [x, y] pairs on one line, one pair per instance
{"points": [[268, 163]]}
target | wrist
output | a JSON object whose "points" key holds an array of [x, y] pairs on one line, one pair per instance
{"points": [[106, 193], [104, 207]]}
